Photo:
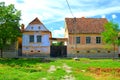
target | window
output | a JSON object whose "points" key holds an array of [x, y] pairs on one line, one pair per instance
{"points": [[88, 40], [38, 27], [31, 38], [98, 40], [32, 27], [77, 40], [38, 38]]}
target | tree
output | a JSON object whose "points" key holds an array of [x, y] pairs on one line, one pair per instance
{"points": [[58, 44], [110, 34], [9, 25]]}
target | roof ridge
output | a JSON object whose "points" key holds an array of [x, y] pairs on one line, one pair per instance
{"points": [[35, 21]]}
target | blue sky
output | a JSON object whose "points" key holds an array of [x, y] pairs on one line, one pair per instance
{"points": [[53, 12]]}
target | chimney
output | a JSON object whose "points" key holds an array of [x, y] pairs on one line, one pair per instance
{"points": [[22, 27]]}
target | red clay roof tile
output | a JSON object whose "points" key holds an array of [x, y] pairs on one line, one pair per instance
{"points": [[85, 25]]}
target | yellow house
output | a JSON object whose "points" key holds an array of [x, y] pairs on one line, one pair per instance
{"points": [[84, 38]]}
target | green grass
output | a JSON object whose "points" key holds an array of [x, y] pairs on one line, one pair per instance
{"points": [[37, 69]]}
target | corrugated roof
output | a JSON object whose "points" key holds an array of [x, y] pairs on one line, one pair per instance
{"points": [[85, 25]]}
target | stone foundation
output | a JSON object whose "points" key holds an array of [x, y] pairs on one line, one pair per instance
{"points": [[41, 51]]}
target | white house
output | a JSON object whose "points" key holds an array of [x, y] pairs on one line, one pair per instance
{"points": [[35, 39]]}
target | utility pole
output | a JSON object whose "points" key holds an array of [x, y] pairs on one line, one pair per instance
{"points": [[75, 35]]}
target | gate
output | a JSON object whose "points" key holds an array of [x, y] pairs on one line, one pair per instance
{"points": [[58, 51]]}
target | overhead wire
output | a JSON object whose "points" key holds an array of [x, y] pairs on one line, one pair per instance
{"points": [[69, 8], [75, 26]]}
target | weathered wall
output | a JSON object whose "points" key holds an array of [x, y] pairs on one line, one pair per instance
{"points": [[39, 48], [91, 50], [10, 54], [45, 39], [35, 48], [93, 55], [72, 40], [119, 49], [35, 27], [40, 51], [10, 51]]}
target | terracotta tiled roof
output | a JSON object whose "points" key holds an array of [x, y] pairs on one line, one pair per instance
{"points": [[35, 21], [85, 25]]}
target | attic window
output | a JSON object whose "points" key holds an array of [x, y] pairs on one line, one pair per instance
{"points": [[32, 27], [38, 27]]}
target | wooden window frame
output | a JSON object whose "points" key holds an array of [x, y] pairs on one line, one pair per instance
{"points": [[39, 38], [98, 40], [88, 40], [77, 40], [31, 38]]}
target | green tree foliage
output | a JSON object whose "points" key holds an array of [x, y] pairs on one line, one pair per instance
{"points": [[9, 25], [58, 44], [111, 34]]}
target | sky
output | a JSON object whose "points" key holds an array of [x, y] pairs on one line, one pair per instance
{"points": [[52, 13]]}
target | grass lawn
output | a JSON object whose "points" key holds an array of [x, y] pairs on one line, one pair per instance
{"points": [[59, 69]]}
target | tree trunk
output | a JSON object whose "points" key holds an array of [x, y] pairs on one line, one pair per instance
{"points": [[1, 52], [114, 53]]}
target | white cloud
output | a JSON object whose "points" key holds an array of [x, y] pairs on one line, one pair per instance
{"points": [[49, 11], [114, 16], [103, 16], [96, 12], [58, 33]]}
